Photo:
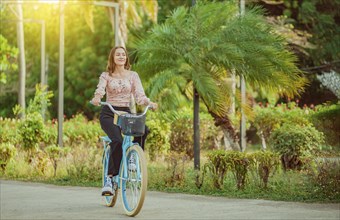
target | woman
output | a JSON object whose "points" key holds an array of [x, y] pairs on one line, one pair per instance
{"points": [[119, 84]]}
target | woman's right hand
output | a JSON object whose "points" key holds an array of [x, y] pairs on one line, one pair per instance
{"points": [[95, 101]]}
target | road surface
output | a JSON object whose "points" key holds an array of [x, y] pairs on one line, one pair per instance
{"points": [[22, 200]]}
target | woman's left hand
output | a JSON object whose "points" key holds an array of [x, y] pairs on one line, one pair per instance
{"points": [[153, 105]]}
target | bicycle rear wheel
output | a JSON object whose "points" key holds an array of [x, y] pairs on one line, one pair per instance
{"points": [[110, 201], [134, 185]]}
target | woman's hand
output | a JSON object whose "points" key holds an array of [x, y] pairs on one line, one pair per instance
{"points": [[95, 101], [153, 105]]}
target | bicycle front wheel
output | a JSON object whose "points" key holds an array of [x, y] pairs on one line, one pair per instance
{"points": [[134, 185]]}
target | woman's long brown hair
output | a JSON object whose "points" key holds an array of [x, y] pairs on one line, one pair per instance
{"points": [[111, 60]]}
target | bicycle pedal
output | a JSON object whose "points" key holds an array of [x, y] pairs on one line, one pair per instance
{"points": [[107, 194]]}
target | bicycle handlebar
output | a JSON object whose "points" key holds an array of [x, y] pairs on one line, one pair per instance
{"points": [[119, 113]]}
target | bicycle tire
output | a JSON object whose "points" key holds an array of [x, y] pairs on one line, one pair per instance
{"points": [[134, 186], [110, 201]]}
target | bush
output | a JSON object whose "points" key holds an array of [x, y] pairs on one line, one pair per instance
{"points": [[176, 169], [8, 131], [326, 118], [31, 131], [268, 119], [55, 153], [218, 166], [265, 164], [158, 138], [295, 142], [181, 138], [265, 121], [327, 178], [7, 152], [219, 162], [79, 130]]}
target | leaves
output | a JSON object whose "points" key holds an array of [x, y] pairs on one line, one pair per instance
{"points": [[207, 45]]}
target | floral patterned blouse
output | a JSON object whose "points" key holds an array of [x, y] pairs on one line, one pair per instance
{"points": [[119, 91]]}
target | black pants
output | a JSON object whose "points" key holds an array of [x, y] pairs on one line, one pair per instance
{"points": [[114, 133]]}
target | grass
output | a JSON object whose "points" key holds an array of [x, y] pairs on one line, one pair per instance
{"points": [[283, 186]]}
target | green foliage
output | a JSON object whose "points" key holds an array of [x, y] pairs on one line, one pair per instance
{"points": [[198, 48], [9, 131], [158, 138], [175, 174], [294, 142], [320, 18], [55, 153], [42, 98], [265, 164], [50, 132], [181, 137], [326, 118], [7, 152], [8, 55], [239, 164], [218, 166], [84, 163], [31, 131], [79, 130], [266, 120], [327, 178], [219, 162]]}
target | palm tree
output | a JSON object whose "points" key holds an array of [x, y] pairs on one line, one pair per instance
{"points": [[202, 45]]}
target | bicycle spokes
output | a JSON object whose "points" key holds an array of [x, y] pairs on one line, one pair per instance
{"points": [[134, 184]]}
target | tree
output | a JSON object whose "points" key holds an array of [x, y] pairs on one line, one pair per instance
{"points": [[8, 54], [201, 46]]}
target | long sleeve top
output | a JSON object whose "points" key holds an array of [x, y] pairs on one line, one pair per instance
{"points": [[118, 91]]}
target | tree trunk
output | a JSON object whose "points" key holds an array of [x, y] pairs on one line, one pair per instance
{"points": [[230, 136], [264, 145], [196, 131], [22, 74]]}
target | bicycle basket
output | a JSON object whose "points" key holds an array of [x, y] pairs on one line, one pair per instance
{"points": [[132, 124]]}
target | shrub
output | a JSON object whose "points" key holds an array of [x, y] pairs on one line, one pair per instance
{"points": [[55, 153], [239, 163], [8, 131], [295, 142], [265, 163], [326, 118], [327, 178], [7, 152], [84, 163], [219, 162], [176, 169], [265, 121], [218, 166], [181, 138], [31, 131], [158, 138], [268, 119], [79, 130], [50, 133]]}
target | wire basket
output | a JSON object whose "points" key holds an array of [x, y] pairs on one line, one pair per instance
{"points": [[132, 124]]}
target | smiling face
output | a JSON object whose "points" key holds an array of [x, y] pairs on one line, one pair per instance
{"points": [[117, 57], [120, 57]]}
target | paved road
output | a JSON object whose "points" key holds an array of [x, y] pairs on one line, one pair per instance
{"points": [[20, 200]]}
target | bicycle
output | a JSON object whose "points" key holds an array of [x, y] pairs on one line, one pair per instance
{"points": [[132, 178]]}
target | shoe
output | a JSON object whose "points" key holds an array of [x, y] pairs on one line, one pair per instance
{"points": [[132, 163], [107, 189]]}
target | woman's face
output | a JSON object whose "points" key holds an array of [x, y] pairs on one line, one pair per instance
{"points": [[120, 57]]}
